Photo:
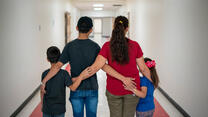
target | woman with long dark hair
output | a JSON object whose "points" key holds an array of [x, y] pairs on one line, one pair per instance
{"points": [[123, 55]]}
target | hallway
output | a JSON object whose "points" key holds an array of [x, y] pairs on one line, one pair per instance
{"points": [[172, 32]]}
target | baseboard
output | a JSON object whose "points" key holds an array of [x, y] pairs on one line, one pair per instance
{"points": [[173, 102], [19, 109]]}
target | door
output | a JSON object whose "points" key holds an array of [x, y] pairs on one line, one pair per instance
{"points": [[67, 27], [98, 26]]}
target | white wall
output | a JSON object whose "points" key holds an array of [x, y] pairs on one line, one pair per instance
{"points": [[27, 29], [175, 32]]}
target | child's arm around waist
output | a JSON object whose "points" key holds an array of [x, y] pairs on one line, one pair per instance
{"points": [[139, 93], [41, 98], [76, 83]]}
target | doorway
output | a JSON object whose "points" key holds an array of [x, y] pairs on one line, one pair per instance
{"points": [[97, 25], [67, 27]]}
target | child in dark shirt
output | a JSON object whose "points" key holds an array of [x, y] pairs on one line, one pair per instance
{"points": [[54, 100]]}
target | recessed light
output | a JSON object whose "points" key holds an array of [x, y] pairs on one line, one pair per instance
{"points": [[98, 9], [98, 5]]}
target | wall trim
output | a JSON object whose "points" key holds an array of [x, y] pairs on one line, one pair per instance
{"points": [[19, 109], [173, 102]]}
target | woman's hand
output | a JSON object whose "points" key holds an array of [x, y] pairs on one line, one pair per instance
{"points": [[129, 83], [90, 70], [85, 74], [129, 88]]}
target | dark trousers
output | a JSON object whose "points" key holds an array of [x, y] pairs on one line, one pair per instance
{"points": [[122, 106], [49, 115]]}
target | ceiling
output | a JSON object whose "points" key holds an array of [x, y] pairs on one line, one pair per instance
{"points": [[88, 4]]}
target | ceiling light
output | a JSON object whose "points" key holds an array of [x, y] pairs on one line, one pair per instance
{"points": [[98, 9], [98, 5]]}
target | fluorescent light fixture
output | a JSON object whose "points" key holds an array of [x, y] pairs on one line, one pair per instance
{"points": [[98, 9], [98, 5]]}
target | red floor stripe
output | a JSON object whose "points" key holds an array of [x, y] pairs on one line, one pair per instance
{"points": [[159, 111], [37, 112]]}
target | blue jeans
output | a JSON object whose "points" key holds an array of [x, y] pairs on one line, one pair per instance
{"points": [[49, 115], [89, 98], [149, 113]]}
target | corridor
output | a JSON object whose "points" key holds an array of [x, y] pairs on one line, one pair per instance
{"points": [[172, 32]]}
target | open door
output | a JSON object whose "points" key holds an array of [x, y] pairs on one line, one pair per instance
{"points": [[67, 27], [128, 33]]}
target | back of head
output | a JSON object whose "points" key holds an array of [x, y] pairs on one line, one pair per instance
{"points": [[151, 65], [118, 42], [84, 24], [53, 54], [121, 20]]}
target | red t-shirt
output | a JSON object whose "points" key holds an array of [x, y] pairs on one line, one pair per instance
{"points": [[115, 86]]}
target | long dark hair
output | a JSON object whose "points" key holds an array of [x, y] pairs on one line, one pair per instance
{"points": [[154, 76], [118, 42]]}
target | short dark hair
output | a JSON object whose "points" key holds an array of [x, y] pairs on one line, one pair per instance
{"points": [[84, 24], [53, 54]]}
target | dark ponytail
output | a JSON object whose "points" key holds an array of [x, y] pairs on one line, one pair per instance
{"points": [[154, 76], [118, 42]]}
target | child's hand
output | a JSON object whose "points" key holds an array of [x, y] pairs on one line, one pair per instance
{"points": [[74, 79], [41, 98], [42, 88], [41, 103]]}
